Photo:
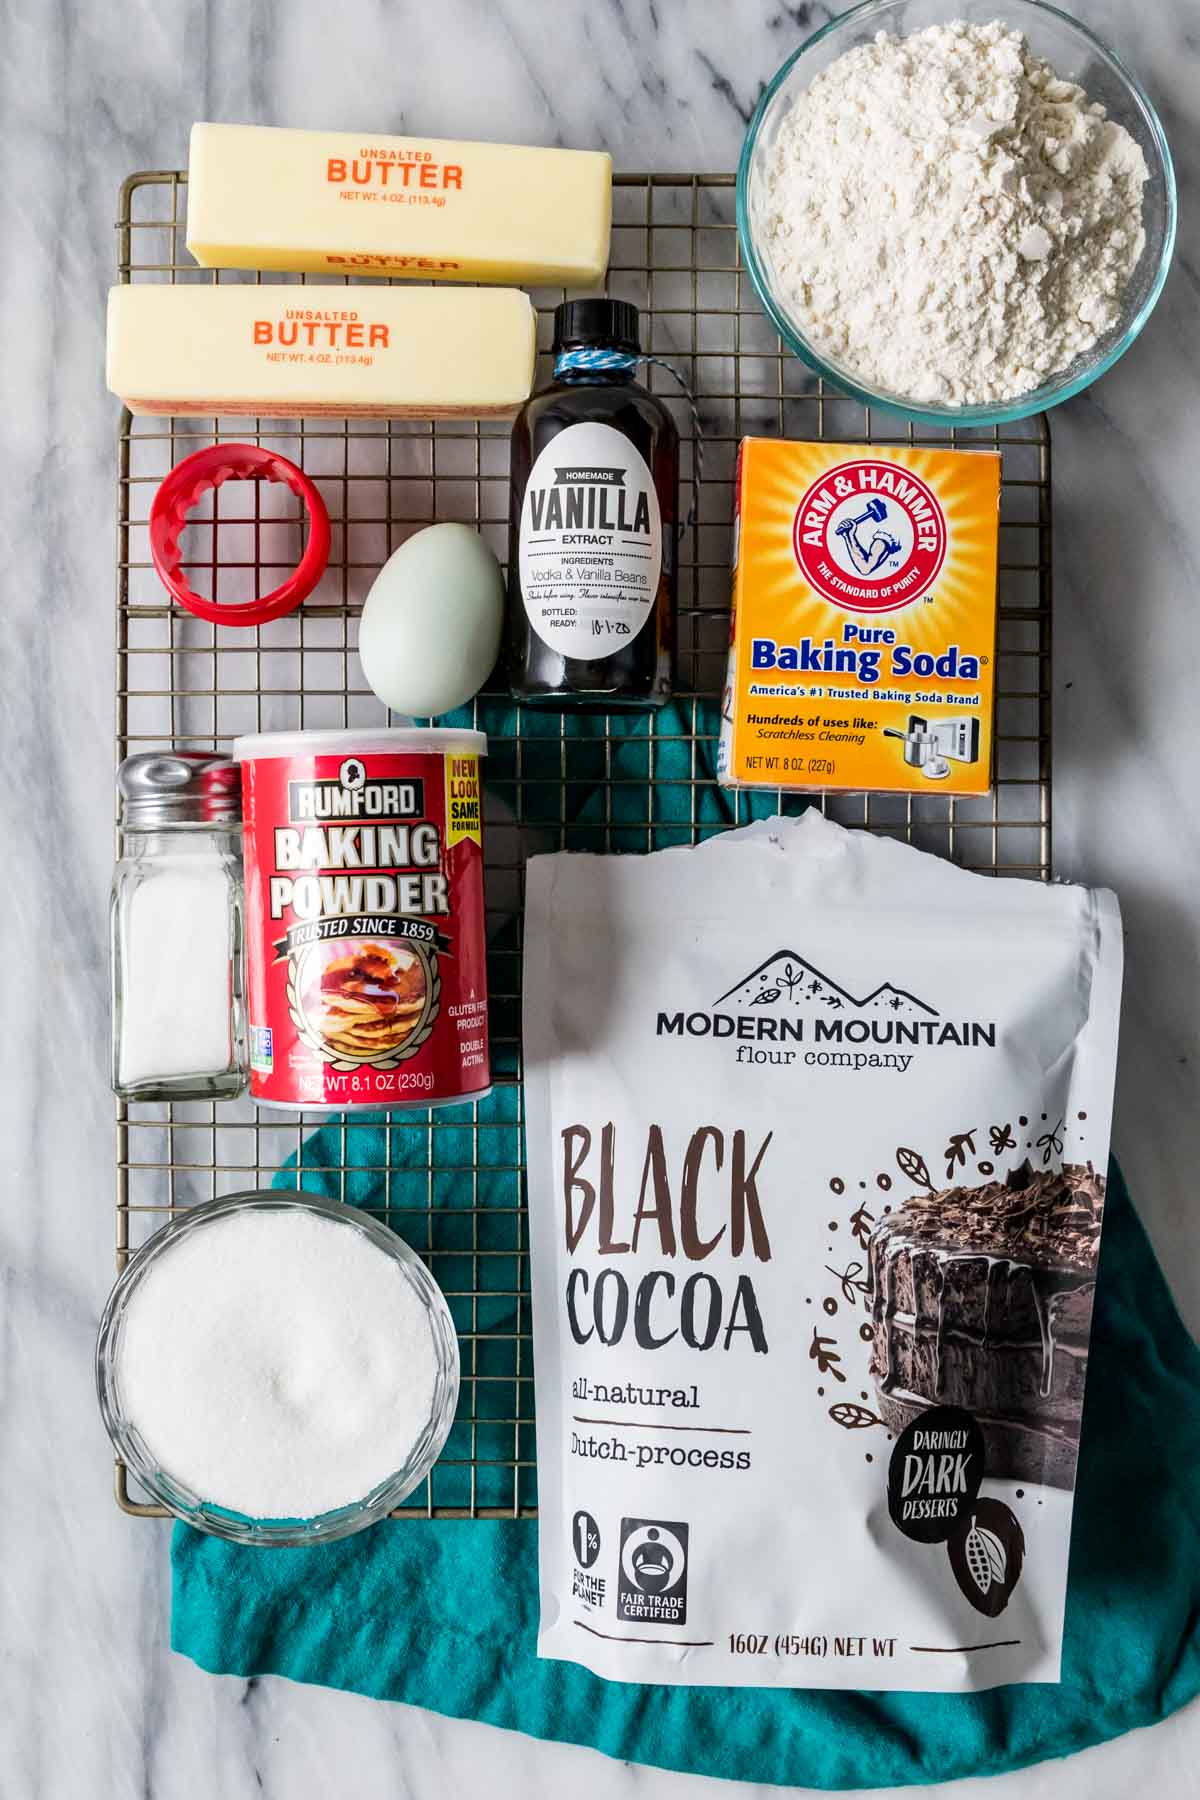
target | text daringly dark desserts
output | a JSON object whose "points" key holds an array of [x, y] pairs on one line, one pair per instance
{"points": [[809, 1360]]}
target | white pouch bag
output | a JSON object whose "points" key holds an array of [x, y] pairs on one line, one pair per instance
{"points": [[817, 1127]]}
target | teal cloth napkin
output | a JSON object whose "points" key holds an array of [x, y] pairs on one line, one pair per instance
{"points": [[443, 1614]]}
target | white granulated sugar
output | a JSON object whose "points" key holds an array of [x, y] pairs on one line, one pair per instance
{"points": [[277, 1364], [947, 218]]}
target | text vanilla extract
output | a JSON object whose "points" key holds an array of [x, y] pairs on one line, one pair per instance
{"points": [[592, 566]]}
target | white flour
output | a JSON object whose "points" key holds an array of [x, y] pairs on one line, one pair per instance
{"points": [[947, 218]]}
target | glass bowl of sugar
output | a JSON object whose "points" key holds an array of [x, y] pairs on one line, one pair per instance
{"points": [[276, 1368], [958, 210]]}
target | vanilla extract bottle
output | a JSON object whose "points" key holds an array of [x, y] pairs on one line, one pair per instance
{"points": [[592, 566]]}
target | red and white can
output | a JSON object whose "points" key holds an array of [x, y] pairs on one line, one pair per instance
{"points": [[365, 943]]}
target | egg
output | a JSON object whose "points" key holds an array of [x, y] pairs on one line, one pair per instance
{"points": [[431, 622]]}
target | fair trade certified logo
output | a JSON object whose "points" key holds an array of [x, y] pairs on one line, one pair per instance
{"points": [[652, 1582], [870, 536]]}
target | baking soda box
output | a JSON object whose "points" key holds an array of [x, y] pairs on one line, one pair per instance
{"points": [[862, 647]]}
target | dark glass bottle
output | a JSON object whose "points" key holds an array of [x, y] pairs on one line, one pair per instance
{"points": [[592, 566]]}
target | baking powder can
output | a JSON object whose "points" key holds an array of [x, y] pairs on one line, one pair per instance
{"points": [[365, 929]]}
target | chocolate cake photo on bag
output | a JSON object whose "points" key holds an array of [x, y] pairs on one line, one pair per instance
{"points": [[981, 1297]]}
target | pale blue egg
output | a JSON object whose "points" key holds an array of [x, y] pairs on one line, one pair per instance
{"points": [[431, 624]]}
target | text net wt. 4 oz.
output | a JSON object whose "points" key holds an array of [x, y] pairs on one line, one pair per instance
{"points": [[450, 1181]]}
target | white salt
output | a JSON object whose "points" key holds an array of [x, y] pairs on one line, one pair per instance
{"points": [[277, 1364], [176, 1016]]}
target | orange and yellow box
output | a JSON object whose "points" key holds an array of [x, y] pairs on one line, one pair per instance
{"points": [[863, 634]]}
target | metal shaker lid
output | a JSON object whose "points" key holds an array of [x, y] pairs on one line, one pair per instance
{"points": [[179, 787]]}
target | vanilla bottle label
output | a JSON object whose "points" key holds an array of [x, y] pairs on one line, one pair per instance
{"points": [[590, 544]]}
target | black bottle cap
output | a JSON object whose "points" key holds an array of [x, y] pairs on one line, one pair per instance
{"points": [[598, 321]]}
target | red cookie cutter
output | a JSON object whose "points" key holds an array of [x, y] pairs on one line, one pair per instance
{"points": [[183, 487]]}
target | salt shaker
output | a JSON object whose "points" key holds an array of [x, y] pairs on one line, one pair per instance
{"points": [[177, 1018]]}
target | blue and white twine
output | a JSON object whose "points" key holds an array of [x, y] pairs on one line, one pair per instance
{"points": [[621, 362]]}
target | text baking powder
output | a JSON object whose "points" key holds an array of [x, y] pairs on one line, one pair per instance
{"points": [[365, 947], [947, 218]]}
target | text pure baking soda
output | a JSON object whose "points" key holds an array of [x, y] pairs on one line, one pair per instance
{"points": [[863, 633]]}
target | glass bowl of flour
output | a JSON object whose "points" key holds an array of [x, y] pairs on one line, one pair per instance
{"points": [[275, 1368], [958, 210]]}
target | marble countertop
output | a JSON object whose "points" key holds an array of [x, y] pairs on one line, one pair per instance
{"points": [[92, 1702]]}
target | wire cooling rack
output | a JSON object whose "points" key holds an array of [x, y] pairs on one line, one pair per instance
{"points": [[450, 1180]]}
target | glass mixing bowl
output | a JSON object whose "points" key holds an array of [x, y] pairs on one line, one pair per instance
{"points": [[1074, 53], [163, 1487]]}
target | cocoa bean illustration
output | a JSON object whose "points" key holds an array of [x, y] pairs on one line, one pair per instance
{"points": [[986, 1554]]}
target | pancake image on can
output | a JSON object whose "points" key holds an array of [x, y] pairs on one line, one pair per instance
{"points": [[371, 1004], [366, 950]]}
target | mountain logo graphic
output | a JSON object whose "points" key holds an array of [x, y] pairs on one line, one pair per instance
{"points": [[787, 979]]}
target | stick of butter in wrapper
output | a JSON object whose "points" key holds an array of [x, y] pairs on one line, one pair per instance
{"points": [[282, 351], [336, 203]]}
